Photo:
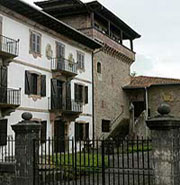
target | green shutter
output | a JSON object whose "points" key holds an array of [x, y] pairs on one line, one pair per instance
{"points": [[76, 92], [86, 94], [28, 85], [3, 132], [43, 85]]}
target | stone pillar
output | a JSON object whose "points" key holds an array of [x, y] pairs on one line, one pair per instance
{"points": [[165, 146], [25, 133]]}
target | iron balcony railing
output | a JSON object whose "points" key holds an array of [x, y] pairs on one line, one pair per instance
{"points": [[73, 106], [7, 149], [9, 46], [62, 64], [68, 105], [10, 96]]}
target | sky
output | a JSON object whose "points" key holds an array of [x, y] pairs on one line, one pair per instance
{"points": [[158, 23]]}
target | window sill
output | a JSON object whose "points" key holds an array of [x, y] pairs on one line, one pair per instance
{"points": [[35, 97], [35, 55]]}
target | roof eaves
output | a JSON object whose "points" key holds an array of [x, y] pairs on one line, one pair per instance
{"points": [[85, 40]]}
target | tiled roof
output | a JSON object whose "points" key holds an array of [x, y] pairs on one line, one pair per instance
{"points": [[147, 81]]}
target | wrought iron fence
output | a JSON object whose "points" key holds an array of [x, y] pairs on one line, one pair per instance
{"points": [[10, 96], [9, 45], [63, 65], [94, 162], [7, 149]]}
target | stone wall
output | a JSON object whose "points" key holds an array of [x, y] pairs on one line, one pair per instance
{"points": [[110, 100], [7, 174], [169, 94]]}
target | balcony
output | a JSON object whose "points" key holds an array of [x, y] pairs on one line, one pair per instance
{"points": [[9, 48], [9, 98], [69, 107], [105, 39], [66, 67]]}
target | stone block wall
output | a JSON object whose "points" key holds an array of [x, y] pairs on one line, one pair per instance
{"points": [[168, 94], [7, 174], [109, 98]]}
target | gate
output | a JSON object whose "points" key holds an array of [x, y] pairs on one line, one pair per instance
{"points": [[94, 162]]}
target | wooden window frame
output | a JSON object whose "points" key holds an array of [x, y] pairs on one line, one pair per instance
{"points": [[84, 93], [41, 88], [35, 46], [104, 127], [80, 60], [83, 135]]}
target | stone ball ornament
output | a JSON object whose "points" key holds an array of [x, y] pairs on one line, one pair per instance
{"points": [[164, 109], [27, 116]]}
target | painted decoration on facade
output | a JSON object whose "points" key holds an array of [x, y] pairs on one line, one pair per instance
{"points": [[49, 52], [167, 96], [71, 59]]}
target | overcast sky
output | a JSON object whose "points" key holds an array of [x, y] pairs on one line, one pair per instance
{"points": [[158, 22]]}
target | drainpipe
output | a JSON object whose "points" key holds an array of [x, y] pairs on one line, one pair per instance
{"points": [[93, 128], [147, 107]]}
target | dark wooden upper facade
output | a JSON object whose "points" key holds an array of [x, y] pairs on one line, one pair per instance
{"points": [[92, 19]]}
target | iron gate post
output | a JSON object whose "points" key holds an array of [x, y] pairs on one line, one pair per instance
{"points": [[25, 133], [165, 147], [103, 164]]}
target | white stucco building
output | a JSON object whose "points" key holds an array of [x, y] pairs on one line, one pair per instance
{"points": [[49, 66]]}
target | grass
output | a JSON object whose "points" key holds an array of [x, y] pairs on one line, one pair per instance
{"points": [[139, 148], [81, 163]]}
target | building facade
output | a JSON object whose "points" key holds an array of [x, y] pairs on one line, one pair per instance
{"points": [[145, 94], [49, 65], [111, 65]]}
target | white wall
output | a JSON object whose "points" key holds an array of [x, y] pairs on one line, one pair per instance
{"points": [[16, 72]]}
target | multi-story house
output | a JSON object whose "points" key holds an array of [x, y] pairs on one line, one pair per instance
{"points": [[49, 65], [111, 66]]}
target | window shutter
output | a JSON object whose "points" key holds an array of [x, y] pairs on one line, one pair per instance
{"points": [[31, 41], [38, 43], [81, 93], [28, 85], [86, 94], [78, 60], [76, 93], [86, 136], [82, 61], [4, 77], [43, 85], [68, 95], [3, 132], [43, 131], [53, 93]]}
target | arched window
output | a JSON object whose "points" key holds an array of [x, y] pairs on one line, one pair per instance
{"points": [[99, 67]]}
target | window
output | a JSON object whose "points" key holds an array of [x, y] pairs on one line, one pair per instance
{"points": [[60, 50], [81, 131], [3, 132], [80, 60], [81, 93], [99, 67], [34, 78], [105, 125], [35, 84], [35, 42], [43, 131]]}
